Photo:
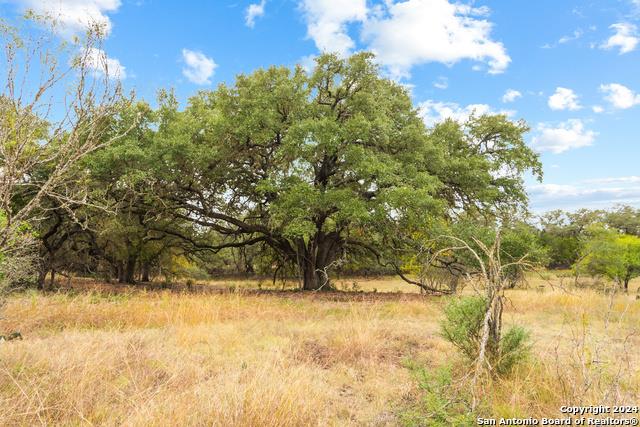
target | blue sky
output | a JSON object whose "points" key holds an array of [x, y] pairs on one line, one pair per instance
{"points": [[571, 69]]}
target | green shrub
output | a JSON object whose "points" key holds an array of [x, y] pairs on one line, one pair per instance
{"points": [[514, 349], [462, 327], [441, 403], [462, 324]]}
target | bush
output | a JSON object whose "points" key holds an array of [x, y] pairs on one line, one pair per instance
{"points": [[514, 349], [442, 403], [462, 324], [462, 327]]}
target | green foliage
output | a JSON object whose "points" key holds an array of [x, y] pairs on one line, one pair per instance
{"points": [[610, 254], [441, 404], [307, 167], [462, 324], [332, 161], [462, 327], [520, 248], [515, 348], [625, 219]]}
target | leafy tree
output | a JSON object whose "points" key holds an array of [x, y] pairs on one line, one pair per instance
{"points": [[625, 219], [611, 254], [563, 234], [331, 163]]}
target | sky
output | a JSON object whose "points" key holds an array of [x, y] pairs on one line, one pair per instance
{"points": [[571, 69]]}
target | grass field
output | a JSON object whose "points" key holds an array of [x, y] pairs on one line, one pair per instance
{"points": [[97, 356]]}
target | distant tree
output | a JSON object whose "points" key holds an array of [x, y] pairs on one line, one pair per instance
{"points": [[563, 234], [519, 241], [611, 254], [625, 219], [338, 161]]}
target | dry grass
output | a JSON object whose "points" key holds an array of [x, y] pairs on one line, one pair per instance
{"points": [[235, 359]]}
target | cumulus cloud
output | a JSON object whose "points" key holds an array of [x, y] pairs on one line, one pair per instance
{"points": [[411, 32], [566, 136], [74, 16], [594, 193], [564, 99], [254, 10], [511, 95], [625, 38], [198, 67], [101, 64], [327, 22], [433, 112], [597, 109], [620, 96]]}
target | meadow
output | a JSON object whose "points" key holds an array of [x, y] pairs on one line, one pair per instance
{"points": [[96, 355]]}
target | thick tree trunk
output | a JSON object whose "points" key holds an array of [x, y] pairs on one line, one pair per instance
{"points": [[130, 270], [121, 271], [312, 279], [317, 256]]}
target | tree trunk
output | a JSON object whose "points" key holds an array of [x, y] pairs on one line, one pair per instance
{"points": [[317, 256], [130, 270], [312, 279], [121, 271], [145, 272], [42, 277]]}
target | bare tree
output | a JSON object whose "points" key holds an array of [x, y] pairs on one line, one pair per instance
{"points": [[56, 103], [491, 272]]}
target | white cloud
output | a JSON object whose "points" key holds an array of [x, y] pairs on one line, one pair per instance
{"points": [[620, 96], [575, 36], [625, 38], [593, 193], [441, 83], [633, 179], [327, 22], [254, 10], [597, 109], [199, 68], [74, 16], [511, 95], [433, 112], [101, 64], [412, 32], [564, 99], [566, 136]]}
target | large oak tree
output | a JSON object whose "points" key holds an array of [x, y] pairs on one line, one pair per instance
{"points": [[316, 165]]}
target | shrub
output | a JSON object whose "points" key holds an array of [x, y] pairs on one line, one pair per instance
{"points": [[442, 403], [462, 324], [514, 349], [462, 327]]}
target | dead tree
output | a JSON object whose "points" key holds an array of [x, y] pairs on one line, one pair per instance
{"points": [[491, 272]]}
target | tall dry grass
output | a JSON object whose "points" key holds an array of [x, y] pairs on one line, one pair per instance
{"points": [[168, 359]]}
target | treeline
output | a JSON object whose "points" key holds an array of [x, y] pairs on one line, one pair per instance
{"points": [[594, 242], [285, 172]]}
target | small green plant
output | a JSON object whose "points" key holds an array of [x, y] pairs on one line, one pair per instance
{"points": [[462, 324], [514, 349], [441, 402], [462, 327]]}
